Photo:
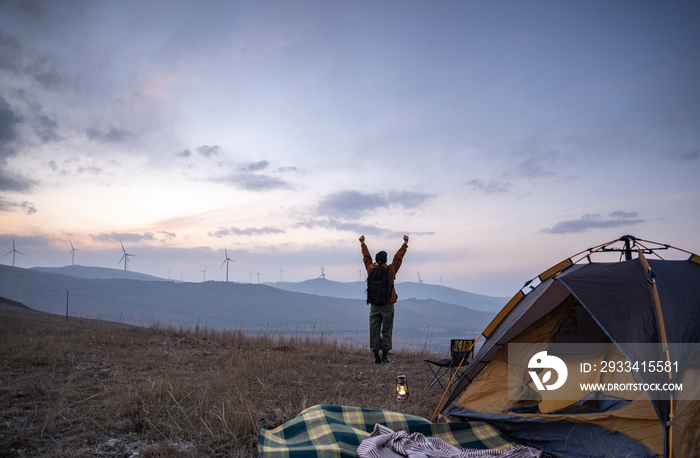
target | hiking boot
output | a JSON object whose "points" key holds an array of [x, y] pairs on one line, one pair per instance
{"points": [[377, 359], [385, 357]]}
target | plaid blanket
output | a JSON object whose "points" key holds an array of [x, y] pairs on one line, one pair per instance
{"points": [[329, 431]]}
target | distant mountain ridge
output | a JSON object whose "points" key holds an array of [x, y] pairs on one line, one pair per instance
{"points": [[252, 307], [318, 287], [405, 290], [97, 273]]}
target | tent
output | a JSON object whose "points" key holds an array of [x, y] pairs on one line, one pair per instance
{"points": [[638, 310]]}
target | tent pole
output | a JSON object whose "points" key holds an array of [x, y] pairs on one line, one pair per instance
{"points": [[667, 422], [628, 248], [670, 431]]}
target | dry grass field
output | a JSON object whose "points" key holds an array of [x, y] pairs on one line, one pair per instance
{"points": [[91, 388]]}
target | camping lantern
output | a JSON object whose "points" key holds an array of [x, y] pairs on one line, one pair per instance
{"points": [[401, 388]]}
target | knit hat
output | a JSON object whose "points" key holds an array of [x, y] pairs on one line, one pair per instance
{"points": [[381, 257]]}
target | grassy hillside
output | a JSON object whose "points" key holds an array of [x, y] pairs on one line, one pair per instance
{"points": [[90, 388]]}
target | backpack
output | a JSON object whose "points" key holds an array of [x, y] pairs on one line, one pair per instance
{"points": [[378, 286]]}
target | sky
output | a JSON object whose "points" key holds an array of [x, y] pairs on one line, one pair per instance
{"points": [[502, 137]]}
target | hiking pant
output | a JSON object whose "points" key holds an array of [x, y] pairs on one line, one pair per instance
{"points": [[381, 326]]}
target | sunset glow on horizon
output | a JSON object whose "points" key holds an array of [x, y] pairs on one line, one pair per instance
{"points": [[501, 137]]}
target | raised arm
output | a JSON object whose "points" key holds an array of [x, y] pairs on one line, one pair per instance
{"points": [[366, 257], [398, 257]]}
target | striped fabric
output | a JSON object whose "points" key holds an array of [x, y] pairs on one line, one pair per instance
{"points": [[385, 443], [331, 431]]}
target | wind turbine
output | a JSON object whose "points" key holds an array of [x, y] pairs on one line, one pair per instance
{"points": [[226, 261], [251, 276], [258, 275], [420, 283], [72, 254], [281, 271], [125, 258], [205, 274], [14, 250], [323, 271]]}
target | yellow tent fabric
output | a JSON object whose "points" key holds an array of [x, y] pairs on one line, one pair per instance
{"points": [[488, 393], [616, 302]]}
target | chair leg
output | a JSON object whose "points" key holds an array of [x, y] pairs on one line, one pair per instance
{"points": [[436, 377]]}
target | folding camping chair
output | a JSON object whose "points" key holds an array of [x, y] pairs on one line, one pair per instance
{"points": [[459, 349]]}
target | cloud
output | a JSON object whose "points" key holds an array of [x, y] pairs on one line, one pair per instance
{"points": [[170, 235], [683, 157], [184, 153], [9, 123], [67, 167], [622, 215], [254, 182], [10, 53], [28, 207], [111, 135], [95, 170], [8, 205], [407, 199], [490, 187], [208, 151], [18, 183], [596, 221], [352, 204], [44, 72], [114, 237], [223, 232], [28, 242], [254, 166], [333, 224], [8, 127], [248, 177], [46, 129], [41, 69], [540, 164], [358, 228]]}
